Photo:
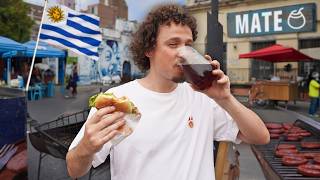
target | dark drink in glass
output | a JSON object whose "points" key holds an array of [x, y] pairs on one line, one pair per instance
{"points": [[199, 74], [197, 70]]}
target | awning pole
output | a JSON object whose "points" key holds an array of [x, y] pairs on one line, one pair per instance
{"points": [[9, 71], [274, 69], [36, 47]]}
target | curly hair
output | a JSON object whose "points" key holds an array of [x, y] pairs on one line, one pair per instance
{"points": [[145, 38]]}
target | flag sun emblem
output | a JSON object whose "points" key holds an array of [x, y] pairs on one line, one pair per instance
{"points": [[55, 14]]}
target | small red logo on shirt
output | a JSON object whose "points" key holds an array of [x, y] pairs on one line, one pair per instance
{"points": [[190, 122]]}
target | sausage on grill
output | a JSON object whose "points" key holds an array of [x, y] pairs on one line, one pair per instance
{"points": [[273, 125], [317, 159], [310, 155], [286, 152], [287, 125], [274, 136], [293, 137], [286, 146], [293, 160], [311, 170], [305, 134], [310, 145], [276, 131]]}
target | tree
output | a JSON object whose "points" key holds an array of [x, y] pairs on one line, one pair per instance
{"points": [[14, 21]]}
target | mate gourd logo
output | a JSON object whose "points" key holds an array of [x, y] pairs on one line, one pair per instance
{"points": [[55, 14], [296, 19]]}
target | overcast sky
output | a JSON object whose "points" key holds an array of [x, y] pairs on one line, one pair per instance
{"points": [[136, 8]]}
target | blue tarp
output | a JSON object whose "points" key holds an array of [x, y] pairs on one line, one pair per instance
{"points": [[7, 44], [10, 48], [44, 50]]}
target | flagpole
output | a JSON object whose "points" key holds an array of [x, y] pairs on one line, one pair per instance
{"points": [[36, 47]]}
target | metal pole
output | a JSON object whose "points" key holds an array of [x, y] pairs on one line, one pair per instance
{"points": [[9, 71], [36, 47], [215, 35]]}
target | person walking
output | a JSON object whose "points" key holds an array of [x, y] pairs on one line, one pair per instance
{"points": [[314, 94], [72, 82]]}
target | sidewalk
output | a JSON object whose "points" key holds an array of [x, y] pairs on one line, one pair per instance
{"points": [[301, 107], [47, 109]]}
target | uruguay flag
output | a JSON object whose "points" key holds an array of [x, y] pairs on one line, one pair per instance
{"points": [[70, 29]]}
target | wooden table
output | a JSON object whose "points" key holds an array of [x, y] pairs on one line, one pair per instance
{"points": [[274, 90]]}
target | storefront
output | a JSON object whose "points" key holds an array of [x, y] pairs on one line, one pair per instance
{"points": [[7, 45], [251, 25], [18, 62]]}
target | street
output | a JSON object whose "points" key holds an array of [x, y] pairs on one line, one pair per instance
{"points": [[48, 109]]}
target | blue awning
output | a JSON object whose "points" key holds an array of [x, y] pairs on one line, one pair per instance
{"points": [[7, 44], [44, 51]]}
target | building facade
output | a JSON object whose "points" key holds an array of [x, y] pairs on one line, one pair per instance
{"points": [[35, 13], [109, 11], [115, 62], [254, 24], [69, 3]]}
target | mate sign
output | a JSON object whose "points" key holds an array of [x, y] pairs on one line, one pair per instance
{"points": [[287, 19]]}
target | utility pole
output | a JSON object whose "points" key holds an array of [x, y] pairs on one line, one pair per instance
{"points": [[215, 48], [215, 35]]}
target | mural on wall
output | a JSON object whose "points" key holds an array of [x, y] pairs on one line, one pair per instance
{"points": [[88, 71], [110, 65], [128, 66]]}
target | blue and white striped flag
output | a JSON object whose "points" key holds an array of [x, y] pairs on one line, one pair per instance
{"points": [[70, 29]]}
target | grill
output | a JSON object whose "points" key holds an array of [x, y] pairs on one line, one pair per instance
{"points": [[272, 166], [54, 138]]}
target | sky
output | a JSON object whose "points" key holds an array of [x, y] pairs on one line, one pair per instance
{"points": [[137, 9]]}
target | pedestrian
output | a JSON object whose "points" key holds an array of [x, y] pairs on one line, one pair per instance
{"points": [[74, 80], [163, 146], [314, 94], [304, 87]]}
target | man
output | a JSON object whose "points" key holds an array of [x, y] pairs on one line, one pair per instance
{"points": [[314, 87], [164, 144]]}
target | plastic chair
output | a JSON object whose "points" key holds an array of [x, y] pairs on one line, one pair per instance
{"points": [[37, 93], [50, 89], [30, 93]]}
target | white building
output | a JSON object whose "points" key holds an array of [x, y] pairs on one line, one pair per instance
{"points": [[115, 62]]}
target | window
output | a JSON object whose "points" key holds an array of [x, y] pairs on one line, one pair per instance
{"points": [[309, 43], [261, 69], [94, 10], [305, 68]]}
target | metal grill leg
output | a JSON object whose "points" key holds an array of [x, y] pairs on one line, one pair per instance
{"points": [[39, 165]]}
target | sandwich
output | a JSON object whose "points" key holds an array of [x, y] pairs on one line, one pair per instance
{"points": [[122, 104]]}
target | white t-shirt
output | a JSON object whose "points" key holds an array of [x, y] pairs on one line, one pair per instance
{"points": [[163, 146]]}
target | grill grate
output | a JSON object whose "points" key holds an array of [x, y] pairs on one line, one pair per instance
{"points": [[289, 172], [55, 137]]}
